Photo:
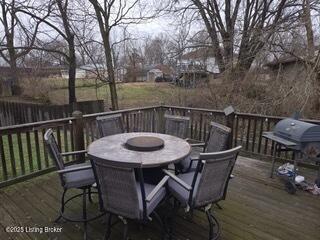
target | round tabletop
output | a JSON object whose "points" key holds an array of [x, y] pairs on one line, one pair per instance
{"points": [[113, 149]]}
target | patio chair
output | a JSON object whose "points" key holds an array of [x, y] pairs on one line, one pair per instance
{"points": [[136, 119], [216, 141], [79, 176], [177, 126], [123, 196], [207, 185], [110, 125]]}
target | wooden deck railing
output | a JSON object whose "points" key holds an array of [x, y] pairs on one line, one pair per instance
{"points": [[247, 129], [23, 154], [13, 113]]}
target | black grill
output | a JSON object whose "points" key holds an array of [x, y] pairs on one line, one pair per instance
{"points": [[298, 136]]}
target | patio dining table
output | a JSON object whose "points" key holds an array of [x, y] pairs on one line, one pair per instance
{"points": [[116, 151]]}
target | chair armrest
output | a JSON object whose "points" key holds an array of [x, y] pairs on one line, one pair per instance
{"points": [[74, 169], [191, 140], [197, 159], [194, 158], [178, 180], [157, 188], [73, 153], [197, 144]]}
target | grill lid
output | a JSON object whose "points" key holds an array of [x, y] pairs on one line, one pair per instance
{"points": [[297, 131]]}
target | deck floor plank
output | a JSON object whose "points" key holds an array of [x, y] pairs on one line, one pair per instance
{"points": [[256, 207], [21, 218], [7, 220]]}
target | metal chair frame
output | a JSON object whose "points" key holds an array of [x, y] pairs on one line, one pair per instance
{"points": [[86, 189], [144, 198], [213, 125], [206, 208], [109, 119], [183, 123]]}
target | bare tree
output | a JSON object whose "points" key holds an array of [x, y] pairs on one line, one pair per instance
{"points": [[155, 49], [135, 60], [238, 29], [308, 26], [103, 14], [111, 14], [68, 35], [12, 25], [59, 21]]}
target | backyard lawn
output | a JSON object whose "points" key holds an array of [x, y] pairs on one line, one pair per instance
{"points": [[129, 94]]}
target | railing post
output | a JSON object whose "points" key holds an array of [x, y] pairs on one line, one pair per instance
{"points": [[78, 134], [161, 120], [230, 115]]}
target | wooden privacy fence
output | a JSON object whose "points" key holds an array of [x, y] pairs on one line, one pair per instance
{"points": [[14, 113], [23, 154]]}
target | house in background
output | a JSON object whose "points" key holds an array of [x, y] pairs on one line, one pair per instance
{"points": [[87, 71], [200, 59], [79, 73], [290, 67], [159, 73], [120, 73], [154, 74], [286, 68], [196, 67], [150, 73]]}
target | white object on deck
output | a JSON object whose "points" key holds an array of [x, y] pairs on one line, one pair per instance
{"points": [[299, 179]]}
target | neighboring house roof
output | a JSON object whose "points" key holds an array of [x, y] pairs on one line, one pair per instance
{"points": [[92, 67], [283, 61], [155, 70], [200, 53], [165, 69], [290, 59]]}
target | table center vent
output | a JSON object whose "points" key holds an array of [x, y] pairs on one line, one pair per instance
{"points": [[144, 143]]}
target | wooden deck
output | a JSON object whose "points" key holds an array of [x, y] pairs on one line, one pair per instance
{"points": [[257, 207]]}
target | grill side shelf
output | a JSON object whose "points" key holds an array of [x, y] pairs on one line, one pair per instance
{"points": [[271, 136]]}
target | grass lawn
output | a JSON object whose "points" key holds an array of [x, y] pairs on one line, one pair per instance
{"points": [[129, 94]]}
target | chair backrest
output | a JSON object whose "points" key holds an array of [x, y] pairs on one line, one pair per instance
{"points": [[177, 125], [218, 138], [137, 119], [209, 185], [117, 188], [110, 125], [53, 149]]}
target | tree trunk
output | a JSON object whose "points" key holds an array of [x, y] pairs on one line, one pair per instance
{"points": [[111, 76], [15, 88], [103, 21], [315, 78], [63, 8], [308, 27], [72, 73], [213, 36]]}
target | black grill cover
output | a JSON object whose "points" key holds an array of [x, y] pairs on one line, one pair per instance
{"points": [[297, 131]]}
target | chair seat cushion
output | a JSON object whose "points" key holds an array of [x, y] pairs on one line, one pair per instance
{"points": [[179, 192], [79, 178], [185, 163], [155, 200]]}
